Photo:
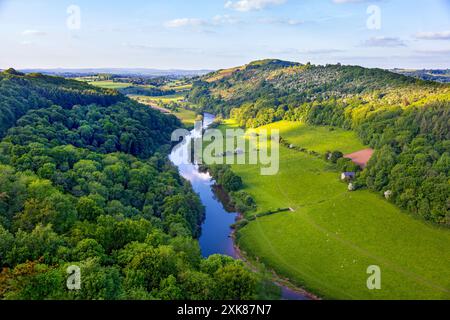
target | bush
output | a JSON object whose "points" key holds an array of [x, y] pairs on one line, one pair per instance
{"points": [[335, 156], [242, 201], [347, 165]]}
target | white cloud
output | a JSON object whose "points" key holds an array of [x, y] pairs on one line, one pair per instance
{"points": [[384, 42], [224, 19], [440, 35], [185, 22], [282, 21], [293, 22], [26, 43], [218, 20], [251, 5], [33, 33]]}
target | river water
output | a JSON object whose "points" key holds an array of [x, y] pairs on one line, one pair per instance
{"points": [[216, 229]]}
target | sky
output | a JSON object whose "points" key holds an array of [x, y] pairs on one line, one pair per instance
{"points": [[215, 34]]}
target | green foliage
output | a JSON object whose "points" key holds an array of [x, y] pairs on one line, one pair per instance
{"points": [[225, 177], [82, 183], [146, 91], [242, 201], [335, 156], [406, 120], [20, 93], [347, 165]]}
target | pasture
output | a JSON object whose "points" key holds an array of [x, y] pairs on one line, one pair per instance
{"points": [[109, 84], [333, 235], [186, 116]]}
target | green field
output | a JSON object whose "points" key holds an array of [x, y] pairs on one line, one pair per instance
{"points": [[108, 84], [188, 117], [159, 99], [327, 243], [169, 98], [320, 139], [178, 86]]}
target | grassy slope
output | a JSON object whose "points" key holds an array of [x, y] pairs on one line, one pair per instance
{"points": [[332, 237], [188, 117], [157, 99], [320, 139]]}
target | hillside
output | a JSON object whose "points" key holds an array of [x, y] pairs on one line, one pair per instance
{"points": [[20, 93], [85, 181], [405, 119], [287, 84], [100, 119]]}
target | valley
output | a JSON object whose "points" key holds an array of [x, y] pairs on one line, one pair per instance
{"points": [[331, 235], [302, 228], [227, 158]]}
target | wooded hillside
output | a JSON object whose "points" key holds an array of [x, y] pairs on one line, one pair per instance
{"points": [[405, 119]]}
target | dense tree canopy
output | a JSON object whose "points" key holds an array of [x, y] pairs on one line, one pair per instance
{"points": [[84, 181]]}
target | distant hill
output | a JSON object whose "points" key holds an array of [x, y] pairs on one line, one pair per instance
{"points": [[439, 75], [117, 71]]}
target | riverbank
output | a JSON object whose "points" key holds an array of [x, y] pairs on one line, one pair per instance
{"points": [[288, 290]]}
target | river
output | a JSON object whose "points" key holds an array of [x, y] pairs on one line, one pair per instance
{"points": [[216, 229]]}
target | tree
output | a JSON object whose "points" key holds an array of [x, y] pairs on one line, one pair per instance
{"points": [[197, 285], [169, 289], [88, 248], [335, 156], [230, 181], [87, 209], [155, 265], [234, 282]]}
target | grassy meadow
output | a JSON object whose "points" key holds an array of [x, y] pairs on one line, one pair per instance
{"points": [[109, 84], [330, 239], [187, 117], [159, 99]]}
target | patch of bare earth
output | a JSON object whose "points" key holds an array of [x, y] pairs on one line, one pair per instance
{"points": [[361, 158]]}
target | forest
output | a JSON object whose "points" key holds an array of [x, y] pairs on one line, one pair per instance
{"points": [[85, 181], [406, 120]]}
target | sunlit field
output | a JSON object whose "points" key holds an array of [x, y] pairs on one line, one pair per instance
{"points": [[327, 243]]}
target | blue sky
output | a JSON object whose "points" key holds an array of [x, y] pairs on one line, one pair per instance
{"points": [[212, 34]]}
